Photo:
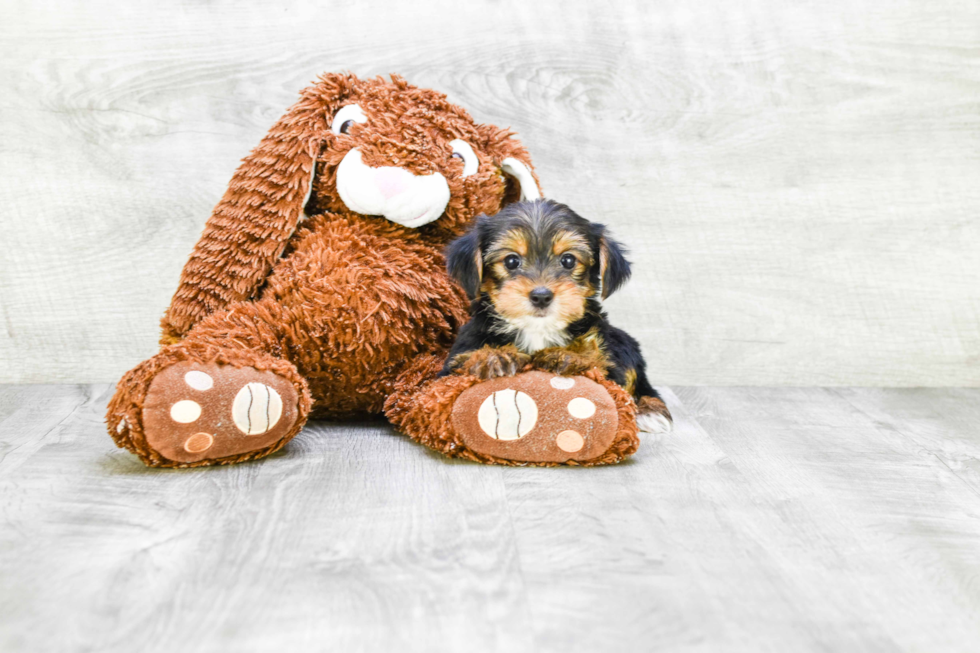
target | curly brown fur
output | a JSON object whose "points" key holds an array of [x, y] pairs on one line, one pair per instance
{"points": [[349, 307]]}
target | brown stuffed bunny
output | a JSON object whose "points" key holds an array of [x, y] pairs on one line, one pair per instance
{"points": [[319, 283]]}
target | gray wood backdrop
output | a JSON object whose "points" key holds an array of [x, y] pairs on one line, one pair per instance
{"points": [[799, 182]]}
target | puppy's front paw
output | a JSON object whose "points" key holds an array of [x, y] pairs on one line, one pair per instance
{"points": [[491, 362], [565, 362]]}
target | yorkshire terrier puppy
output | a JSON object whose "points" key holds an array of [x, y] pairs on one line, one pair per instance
{"points": [[536, 272]]}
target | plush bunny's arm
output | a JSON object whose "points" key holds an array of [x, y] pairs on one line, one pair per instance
{"points": [[250, 226]]}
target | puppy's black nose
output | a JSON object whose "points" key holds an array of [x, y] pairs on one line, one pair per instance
{"points": [[541, 297]]}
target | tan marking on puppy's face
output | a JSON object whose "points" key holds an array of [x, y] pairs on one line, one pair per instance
{"points": [[511, 242], [568, 241], [569, 301]]}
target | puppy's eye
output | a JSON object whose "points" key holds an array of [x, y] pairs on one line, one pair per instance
{"points": [[568, 261], [346, 117], [512, 262]]}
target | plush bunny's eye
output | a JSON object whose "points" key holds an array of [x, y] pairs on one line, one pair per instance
{"points": [[346, 117], [462, 150]]}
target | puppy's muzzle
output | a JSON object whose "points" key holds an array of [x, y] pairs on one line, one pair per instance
{"points": [[395, 193]]}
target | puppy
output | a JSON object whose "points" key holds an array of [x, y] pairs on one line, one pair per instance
{"points": [[536, 272]]}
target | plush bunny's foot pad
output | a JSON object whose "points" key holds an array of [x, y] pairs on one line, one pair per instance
{"points": [[533, 418], [195, 412]]}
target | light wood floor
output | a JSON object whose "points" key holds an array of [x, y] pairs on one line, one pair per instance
{"points": [[770, 520]]}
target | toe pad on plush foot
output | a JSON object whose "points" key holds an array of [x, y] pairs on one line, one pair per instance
{"points": [[193, 411]]}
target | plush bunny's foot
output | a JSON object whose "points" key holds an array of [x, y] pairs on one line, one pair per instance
{"points": [[190, 406], [533, 418], [195, 412], [537, 417]]}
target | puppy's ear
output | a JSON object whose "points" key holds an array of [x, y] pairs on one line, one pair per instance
{"points": [[464, 261], [614, 269]]}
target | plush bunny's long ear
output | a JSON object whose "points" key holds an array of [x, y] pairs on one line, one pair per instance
{"points": [[249, 228]]}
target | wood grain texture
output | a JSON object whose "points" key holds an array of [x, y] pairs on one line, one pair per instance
{"points": [[798, 182], [798, 519]]}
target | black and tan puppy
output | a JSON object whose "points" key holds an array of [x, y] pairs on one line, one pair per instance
{"points": [[536, 272]]}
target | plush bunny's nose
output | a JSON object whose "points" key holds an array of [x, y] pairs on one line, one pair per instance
{"points": [[392, 181]]}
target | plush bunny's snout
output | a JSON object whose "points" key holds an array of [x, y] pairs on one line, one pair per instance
{"points": [[393, 192]]}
